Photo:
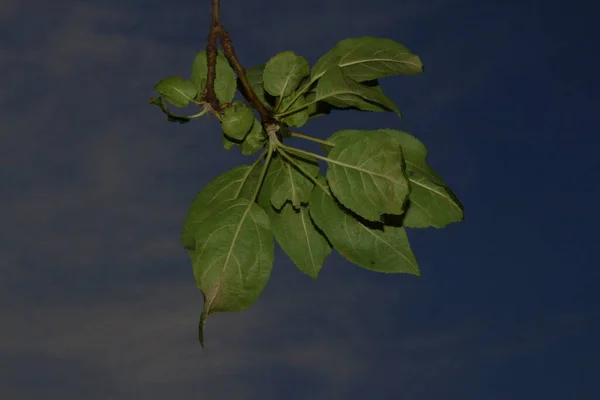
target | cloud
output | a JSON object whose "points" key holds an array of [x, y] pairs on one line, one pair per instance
{"points": [[145, 337], [305, 342]]}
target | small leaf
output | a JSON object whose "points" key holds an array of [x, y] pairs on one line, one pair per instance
{"points": [[255, 77], [431, 202], [298, 118], [254, 140], [228, 143], [369, 245], [337, 89], [297, 235], [225, 80], [239, 182], [367, 58], [176, 90], [368, 173], [283, 73], [285, 182], [237, 120], [233, 257], [158, 101]]}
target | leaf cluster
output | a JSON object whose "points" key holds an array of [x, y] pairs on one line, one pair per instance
{"points": [[376, 182]]}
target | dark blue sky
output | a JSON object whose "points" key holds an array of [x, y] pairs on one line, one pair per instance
{"points": [[97, 298]]}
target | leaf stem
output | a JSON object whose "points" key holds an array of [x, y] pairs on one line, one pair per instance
{"points": [[254, 164], [311, 138], [308, 153], [270, 151], [291, 160], [298, 94]]}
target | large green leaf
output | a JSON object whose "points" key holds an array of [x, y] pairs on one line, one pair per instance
{"points": [[341, 91], [283, 73], [225, 81], [233, 257], [297, 235], [176, 90], [285, 182], [367, 173], [431, 202], [367, 58], [239, 182], [369, 245]]}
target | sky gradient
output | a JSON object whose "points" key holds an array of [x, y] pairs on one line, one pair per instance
{"points": [[97, 298]]}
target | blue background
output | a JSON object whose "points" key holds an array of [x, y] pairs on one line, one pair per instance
{"points": [[97, 299]]}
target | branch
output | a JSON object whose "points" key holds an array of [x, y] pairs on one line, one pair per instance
{"points": [[218, 32]]}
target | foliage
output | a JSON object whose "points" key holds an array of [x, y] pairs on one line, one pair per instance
{"points": [[376, 184]]}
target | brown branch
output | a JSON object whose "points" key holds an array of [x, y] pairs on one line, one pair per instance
{"points": [[218, 32], [265, 115], [211, 55]]}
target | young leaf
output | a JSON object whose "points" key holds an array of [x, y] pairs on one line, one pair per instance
{"points": [[238, 182], [297, 235], [367, 175], [285, 182], [431, 202], [254, 140], [158, 101], [255, 77], [298, 118], [369, 245], [233, 257], [337, 89], [367, 58], [283, 73], [237, 120], [228, 143], [176, 90], [225, 80]]}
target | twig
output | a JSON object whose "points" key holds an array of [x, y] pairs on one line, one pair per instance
{"points": [[211, 54], [218, 32]]}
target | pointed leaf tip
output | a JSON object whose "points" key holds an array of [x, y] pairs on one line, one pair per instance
{"points": [[201, 324]]}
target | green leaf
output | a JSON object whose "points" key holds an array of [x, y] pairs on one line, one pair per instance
{"points": [[337, 89], [367, 58], [228, 143], [254, 140], [283, 73], [255, 77], [369, 245], [158, 101], [431, 202], [233, 257], [299, 239], [317, 108], [237, 120], [298, 118], [285, 182], [297, 235], [176, 90], [239, 182], [225, 80], [367, 173]]}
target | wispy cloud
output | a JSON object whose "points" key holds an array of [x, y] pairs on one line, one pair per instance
{"points": [[146, 338]]}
